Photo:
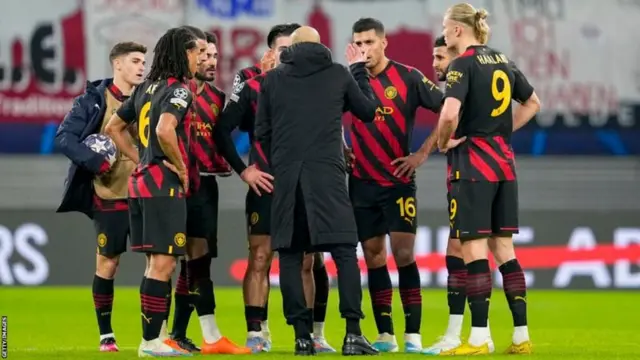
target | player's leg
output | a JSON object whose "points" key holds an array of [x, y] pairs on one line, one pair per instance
{"points": [[255, 284], [471, 204], [372, 232], [321, 280], [112, 228], [201, 214], [456, 292], [307, 280], [505, 217], [182, 313], [400, 212], [163, 237]]}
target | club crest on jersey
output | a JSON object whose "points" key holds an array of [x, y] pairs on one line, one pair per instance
{"points": [[180, 239], [102, 240], [254, 218], [390, 92], [215, 109]]}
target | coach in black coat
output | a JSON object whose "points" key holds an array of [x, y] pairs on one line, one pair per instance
{"points": [[299, 123]]}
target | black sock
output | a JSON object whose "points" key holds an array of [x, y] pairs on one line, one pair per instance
{"points": [[103, 302], [184, 307], [353, 327], [154, 303], [321, 278], [479, 291], [456, 285], [202, 286], [515, 288], [381, 292], [303, 327], [142, 283], [166, 315], [411, 296], [253, 316]]}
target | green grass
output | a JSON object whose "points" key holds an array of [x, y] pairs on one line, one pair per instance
{"points": [[59, 323]]}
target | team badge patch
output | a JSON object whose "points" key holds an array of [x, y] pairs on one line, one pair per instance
{"points": [[254, 218], [102, 240], [180, 239], [390, 92]]}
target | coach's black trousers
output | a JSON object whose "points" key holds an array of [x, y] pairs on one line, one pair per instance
{"points": [[349, 287]]}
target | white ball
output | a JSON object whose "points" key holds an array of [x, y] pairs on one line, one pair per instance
{"points": [[102, 144]]}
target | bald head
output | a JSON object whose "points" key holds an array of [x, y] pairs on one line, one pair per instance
{"points": [[305, 34]]}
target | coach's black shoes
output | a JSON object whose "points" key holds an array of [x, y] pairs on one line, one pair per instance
{"points": [[357, 345], [304, 347]]}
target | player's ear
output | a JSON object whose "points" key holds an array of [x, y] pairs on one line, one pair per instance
{"points": [[384, 43]]}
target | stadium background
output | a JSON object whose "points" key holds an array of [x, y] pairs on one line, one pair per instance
{"points": [[578, 160]]}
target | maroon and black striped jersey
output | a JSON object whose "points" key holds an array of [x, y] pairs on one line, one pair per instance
{"points": [[245, 74], [485, 81], [208, 105], [150, 100], [240, 112], [399, 90]]}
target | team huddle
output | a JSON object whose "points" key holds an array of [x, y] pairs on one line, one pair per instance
{"points": [[173, 129]]}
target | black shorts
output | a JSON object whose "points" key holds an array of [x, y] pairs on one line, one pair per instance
{"points": [[258, 213], [479, 209], [158, 225], [202, 213], [382, 210], [112, 230]]}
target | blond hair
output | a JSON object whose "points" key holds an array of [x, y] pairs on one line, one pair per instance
{"points": [[476, 19]]}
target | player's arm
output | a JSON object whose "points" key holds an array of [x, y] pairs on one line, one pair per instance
{"points": [[523, 93], [429, 97], [68, 137], [457, 87], [237, 112], [173, 108], [359, 98], [263, 118], [117, 129]]}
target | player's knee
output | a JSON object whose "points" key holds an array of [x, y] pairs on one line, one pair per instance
{"points": [[162, 266], [260, 258], [502, 249], [473, 250], [307, 263], [402, 245], [375, 253], [196, 248], [106, 266], [454, 248]]}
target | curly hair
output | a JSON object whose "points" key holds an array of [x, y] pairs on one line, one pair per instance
{"points": [[170, 55]]}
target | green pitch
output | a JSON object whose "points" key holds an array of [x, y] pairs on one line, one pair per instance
{"points": [[59, 323]]}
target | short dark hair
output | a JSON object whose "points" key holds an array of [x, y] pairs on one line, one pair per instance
{"points": [[126, 48], [170, 55], [199, 34], [440, 41], [280, 30], [211, 38], [366, 24]]}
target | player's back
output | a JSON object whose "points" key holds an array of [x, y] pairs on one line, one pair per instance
{"points": [[487, 109], [152, 99], [485, 81]]}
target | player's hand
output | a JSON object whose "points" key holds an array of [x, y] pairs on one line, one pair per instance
{"points": [[452, 143], [257, 180], [354, 55], [407, 165], [182, 174], [268, 61], [349, 156]]}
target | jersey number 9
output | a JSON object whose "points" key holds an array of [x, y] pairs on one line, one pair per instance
{"points": [[502, 96], [143, 124]]}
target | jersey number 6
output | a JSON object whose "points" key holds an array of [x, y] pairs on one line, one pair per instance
{"points": [[143, 124], [502, 96]]}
